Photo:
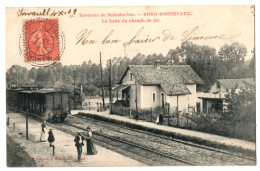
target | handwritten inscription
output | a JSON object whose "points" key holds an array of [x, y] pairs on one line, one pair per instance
{"points": [[46, 12], [140, 37]]}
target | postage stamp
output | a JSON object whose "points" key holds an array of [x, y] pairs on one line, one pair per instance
{"points": [[43, 42]]}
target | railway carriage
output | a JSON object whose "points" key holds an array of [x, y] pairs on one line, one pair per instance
{"points": [[48, 104]]}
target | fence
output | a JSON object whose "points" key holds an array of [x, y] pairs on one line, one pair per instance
{"points": [[151, 114]]}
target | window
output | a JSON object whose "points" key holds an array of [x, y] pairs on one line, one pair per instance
{"points": [[131, 76], [218, 85], [153, 97], [162, 95]]}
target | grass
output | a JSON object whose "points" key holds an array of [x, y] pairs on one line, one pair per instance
{"points": [[17, 156]]}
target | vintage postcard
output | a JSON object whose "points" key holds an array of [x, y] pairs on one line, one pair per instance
{"points": [[130, 86]]}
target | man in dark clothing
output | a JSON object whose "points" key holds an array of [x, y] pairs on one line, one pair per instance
{"points": [[79, 143], [160, 119]]}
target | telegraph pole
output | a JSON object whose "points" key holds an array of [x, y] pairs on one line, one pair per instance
{"points": [[27, 117], [103, 100], [110, 87], [74, 81], [178, 110], [74, 88]]}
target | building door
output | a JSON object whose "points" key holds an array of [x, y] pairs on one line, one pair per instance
{"points": [[162, 94], [204, 105], [198, 107]]}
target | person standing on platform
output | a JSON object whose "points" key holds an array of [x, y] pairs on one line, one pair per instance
{"points": [[91, 149], [160, 119], [157, 120], [51, 138], [79, 143], [43, 131]]}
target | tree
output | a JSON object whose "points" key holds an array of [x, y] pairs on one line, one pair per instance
{"points": [[235, 53], [241, 104], [252, 64]]}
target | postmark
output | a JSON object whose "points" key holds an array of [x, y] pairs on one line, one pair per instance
{"points": [[43, 42]]}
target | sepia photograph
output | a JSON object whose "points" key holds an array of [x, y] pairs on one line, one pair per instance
{"points": [[130, 86]]}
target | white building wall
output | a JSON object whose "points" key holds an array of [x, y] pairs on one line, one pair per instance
{"points": [[182, 103], [127, 78], [132, 92], [136, 91], [147, 97], [214, 88], [192, 97]]}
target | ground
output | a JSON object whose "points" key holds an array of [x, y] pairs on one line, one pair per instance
{"points": [[40, 154]]}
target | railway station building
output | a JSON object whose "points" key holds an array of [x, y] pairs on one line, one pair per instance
{"points": [[151, 86]]}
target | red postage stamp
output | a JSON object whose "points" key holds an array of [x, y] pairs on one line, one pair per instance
{"points": [[42, 40]]}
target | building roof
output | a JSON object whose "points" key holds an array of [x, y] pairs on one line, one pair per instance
{"points": [[29, 86], [172, 78], [235, 83], [120, 88], [43, 91]]}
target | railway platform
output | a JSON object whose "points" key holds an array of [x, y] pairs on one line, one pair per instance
{"points": [[189, 135], [65, 150]]}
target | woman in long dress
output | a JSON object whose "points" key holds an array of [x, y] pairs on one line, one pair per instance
{"points": [[91, 149], [43, 132]]}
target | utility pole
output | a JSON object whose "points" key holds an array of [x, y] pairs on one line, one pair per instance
{"points": [[74, 81], [136, 97], [110, 87], [103, 100], [27, 117], [178, 110], [74, 88]]}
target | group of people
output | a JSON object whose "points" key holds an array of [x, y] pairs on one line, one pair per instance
{"points": [[159, 119], [79, 140], [51, 138]]}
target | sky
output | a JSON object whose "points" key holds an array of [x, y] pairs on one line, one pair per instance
{"points": [[173, 25]]}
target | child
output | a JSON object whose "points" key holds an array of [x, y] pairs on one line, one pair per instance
{"points": [[51, 138], [157, 120]]}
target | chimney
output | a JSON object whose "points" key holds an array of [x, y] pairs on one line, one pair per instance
{"points": [[157, 64]]}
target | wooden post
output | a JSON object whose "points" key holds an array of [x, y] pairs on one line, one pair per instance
{"points": [[61, 100], [53, 107], [187, 121], [27, 116], [178, 110], [74, 89], [8, 121], [101, 70], [53, 150], [110, 87], [151, 114], [136, 97], [168, 112]]}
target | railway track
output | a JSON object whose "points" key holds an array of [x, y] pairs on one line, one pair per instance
{"points": [[223, 156], [147, 155], [175, 140], [145, 151]]}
